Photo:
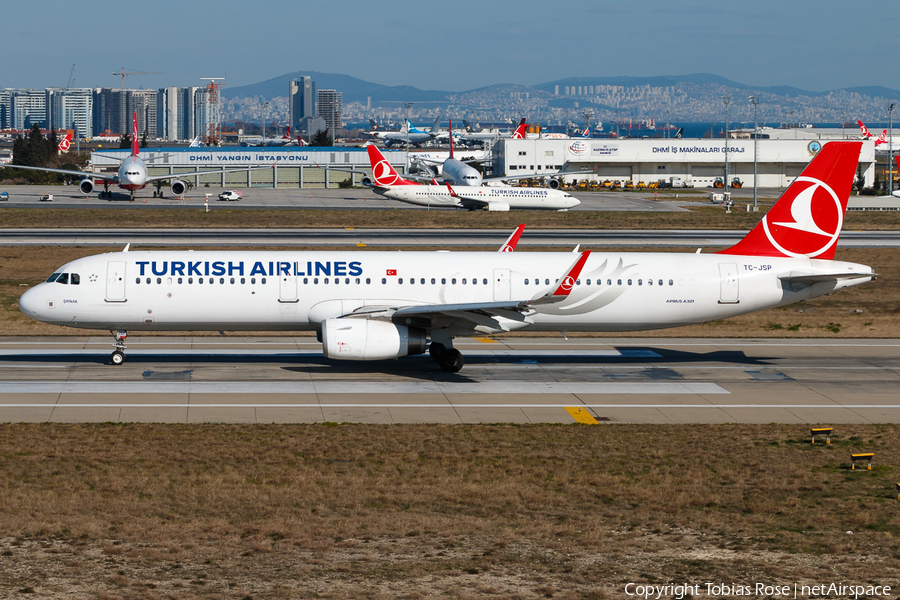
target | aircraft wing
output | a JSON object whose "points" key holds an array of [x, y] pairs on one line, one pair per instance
{"points": [[195, 173], [81, 174], [482, 314]]}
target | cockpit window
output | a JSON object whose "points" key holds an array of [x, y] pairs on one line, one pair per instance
{"points": [[65, 278]]}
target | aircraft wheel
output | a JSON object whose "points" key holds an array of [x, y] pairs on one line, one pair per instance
{"points": [[117, 357], [436, 351], [452, 361]]}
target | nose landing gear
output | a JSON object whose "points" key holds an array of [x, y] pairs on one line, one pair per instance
{"points": [[118, 355]]}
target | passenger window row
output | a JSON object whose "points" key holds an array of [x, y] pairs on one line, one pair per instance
{"points": [[211, 280], [600, 282]]}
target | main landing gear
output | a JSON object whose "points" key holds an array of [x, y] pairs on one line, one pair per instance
{"points": [[449, 359], [105, 193], [118, 355]]}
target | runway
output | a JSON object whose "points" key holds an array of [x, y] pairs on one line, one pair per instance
{"points": [[28, 196], [518, 380], [442, 238]]}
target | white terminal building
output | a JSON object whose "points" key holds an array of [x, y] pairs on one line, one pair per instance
{"points": [[693, 162]]}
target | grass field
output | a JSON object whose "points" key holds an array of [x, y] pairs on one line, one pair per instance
{"points": [[869, 310], [427, 511], [699, 218]]}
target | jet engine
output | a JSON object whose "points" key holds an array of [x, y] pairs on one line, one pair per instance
{"points": [[498, 207], [553, 184], [366, 181], [178, 187], [86, 186], [366, 339]]}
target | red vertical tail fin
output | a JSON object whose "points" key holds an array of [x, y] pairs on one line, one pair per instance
{"points": [[134, 137], [382, 171], [520, 131], [807, 219]]}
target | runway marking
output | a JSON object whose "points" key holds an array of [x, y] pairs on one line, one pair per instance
{"points": [[581, 415], [445, 405], [356, 387]]}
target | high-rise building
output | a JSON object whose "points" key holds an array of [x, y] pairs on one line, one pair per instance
{"points": [[71, 109], [301, 100], [329, 108], [143, 104], [27, 107], [175, 110], [109, 111], [5, 95]]}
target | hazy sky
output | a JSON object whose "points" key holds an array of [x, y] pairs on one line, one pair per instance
{"points": [[460, 45]]}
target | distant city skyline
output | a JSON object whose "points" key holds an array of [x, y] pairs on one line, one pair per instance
{"points": [[815, 46]]}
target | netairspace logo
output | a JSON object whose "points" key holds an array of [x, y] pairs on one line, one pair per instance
{"points": [[761, 590]]}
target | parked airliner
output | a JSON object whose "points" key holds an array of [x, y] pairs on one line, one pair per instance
{"points": [[388, 183], [372, 305], [132, 174]]}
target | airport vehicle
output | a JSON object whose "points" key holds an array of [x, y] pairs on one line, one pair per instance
{"points": [[383, 305], [718, 183], [230, 195], [387, 182], [4, 196], [46, 198], [408, 132], [737, 183], [132, 174]]}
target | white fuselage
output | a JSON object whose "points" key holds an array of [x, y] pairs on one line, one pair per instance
{"points": [[259, 290], [459, 173], [132, 174], [439, 195]]}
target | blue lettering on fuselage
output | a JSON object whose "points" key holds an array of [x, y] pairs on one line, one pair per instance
{"points": [[338, 268]]}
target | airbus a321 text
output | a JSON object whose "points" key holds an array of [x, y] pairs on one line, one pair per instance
{"points": [[383, 305]]}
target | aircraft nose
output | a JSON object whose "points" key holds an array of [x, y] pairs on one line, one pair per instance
{"points": [[29, 303]]}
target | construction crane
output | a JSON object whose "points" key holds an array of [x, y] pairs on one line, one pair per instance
{"points": [[72, 72], [122, 74]]}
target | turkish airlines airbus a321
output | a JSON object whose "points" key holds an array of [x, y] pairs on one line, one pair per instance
{"points": [[369, 305], [132, 174]]}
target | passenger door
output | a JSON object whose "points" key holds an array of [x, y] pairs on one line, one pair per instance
{"points": [[729, 281], [115, 281]]}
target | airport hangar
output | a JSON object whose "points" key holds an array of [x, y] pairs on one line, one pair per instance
{"points": [[695, 162]]}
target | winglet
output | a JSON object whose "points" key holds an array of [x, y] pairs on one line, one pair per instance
{"points": [[452, 193], [565, 284], [511, 241], [568, 282], [134, 137]]}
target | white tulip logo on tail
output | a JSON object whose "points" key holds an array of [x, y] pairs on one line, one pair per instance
{"points": [[815, 212], [384, 173]]}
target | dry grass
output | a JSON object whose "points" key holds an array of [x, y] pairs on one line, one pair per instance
{"points": [[698, 218], [871, 310], [420, 511]]}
